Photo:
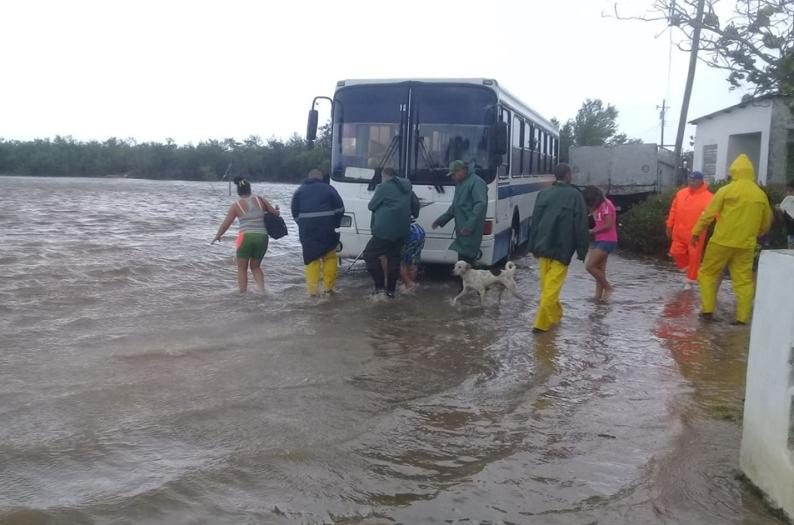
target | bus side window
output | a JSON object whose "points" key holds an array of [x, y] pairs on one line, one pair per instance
{"points": [[518, 134], [548, 153], [504, 169], [536, 149], [526, 150]]}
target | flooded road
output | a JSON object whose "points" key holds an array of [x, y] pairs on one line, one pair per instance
{"points": [[137, 386]]}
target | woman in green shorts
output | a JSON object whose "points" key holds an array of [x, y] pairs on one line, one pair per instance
{"points": [[252, 238]]}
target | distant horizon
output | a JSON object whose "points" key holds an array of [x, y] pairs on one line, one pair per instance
{"points": [[137, 141]]}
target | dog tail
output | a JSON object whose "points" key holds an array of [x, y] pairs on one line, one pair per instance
{"points": [[510, 267]]}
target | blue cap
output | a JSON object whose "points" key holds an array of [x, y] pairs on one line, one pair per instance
{"points": [[696, 175]]}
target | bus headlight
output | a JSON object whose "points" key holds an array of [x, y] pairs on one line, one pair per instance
{"points": [[346, 222]]}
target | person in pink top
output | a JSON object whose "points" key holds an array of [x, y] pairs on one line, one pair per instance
{"points": [[605, 239]]}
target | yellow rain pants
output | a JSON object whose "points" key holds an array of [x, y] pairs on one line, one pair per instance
{"points": [[324, 268], [740, 265], [552, 277]]}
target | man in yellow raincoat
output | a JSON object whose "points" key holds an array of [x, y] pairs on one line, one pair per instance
{"points": [[744, 215]]}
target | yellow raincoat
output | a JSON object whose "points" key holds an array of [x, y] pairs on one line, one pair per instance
{"points": [[744, 215]]}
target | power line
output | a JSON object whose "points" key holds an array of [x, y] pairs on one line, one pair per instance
{"points": [[662, 117]]}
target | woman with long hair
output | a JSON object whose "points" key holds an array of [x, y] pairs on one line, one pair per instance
{"points": [[252, 239], [605, 239]]}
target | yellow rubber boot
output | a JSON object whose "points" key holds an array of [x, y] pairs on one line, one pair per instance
{"points": [[714, 262], [741, 268], [330, 270], [552, 278], [313, 271]]}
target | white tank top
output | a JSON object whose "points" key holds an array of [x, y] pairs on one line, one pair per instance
{"points": [[252, 218]]}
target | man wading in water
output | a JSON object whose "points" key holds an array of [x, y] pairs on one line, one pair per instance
{"points": [[559, 229], [392, 207], [468, 210], [318, 210]]}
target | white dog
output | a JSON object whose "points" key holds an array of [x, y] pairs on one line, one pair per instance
{"points": [[481, 280]]}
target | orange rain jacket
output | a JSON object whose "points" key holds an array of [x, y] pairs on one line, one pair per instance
{"points": [[687, 208]]}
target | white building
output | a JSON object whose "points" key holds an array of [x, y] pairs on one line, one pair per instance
{"points": [[762, 128]]}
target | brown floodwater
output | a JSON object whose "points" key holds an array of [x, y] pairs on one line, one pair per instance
{"points": [[137, 386]]}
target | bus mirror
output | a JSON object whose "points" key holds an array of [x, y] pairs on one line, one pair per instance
{"points": [[311, 126], [500, 138]]}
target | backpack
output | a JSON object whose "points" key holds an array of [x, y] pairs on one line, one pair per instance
{"points": [[275, 226]]}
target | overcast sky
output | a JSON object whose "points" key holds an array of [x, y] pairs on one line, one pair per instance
{"points": [[193, 70]]}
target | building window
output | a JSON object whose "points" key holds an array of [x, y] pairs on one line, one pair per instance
{"points": [[710, 162]]}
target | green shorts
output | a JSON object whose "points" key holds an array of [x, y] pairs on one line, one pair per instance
{"points": [[251, 245]]}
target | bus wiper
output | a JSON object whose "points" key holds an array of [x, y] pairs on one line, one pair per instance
{"points": [[420, 143], [394, 145]]}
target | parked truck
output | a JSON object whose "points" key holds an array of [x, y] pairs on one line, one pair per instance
{"points": [[627, 173]]}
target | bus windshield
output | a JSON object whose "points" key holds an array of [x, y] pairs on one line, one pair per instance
{"points": [[367, 130], [416, 128], [450, 122]]}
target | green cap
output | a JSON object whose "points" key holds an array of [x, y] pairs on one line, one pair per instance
{"points": [[456, 165]]}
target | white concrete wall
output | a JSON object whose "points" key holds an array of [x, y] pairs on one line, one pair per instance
{"points": [[766, 455], [753, 118]]}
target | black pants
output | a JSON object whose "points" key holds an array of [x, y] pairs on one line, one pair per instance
{"points": [[377, 248]]}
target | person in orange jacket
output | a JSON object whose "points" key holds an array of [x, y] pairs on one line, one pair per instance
{"points": [[688, 206]]}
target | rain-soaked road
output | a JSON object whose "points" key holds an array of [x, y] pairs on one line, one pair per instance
{"points": [[136, 386]]}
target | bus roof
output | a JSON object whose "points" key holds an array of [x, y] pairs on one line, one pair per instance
{"points": [[503, 94]]}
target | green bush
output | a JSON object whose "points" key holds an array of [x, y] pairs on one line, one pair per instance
{"points": [[642, 227]]}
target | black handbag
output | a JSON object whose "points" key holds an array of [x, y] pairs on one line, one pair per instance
{"points": [[275, 226]]}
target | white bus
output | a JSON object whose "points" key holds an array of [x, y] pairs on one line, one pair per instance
{"points": [[418, 127]]}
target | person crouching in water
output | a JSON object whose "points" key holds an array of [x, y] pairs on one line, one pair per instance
{"points": [[252, 238], [605, 239], [411, 255], [392, 207], [318, 210], [687, 207]]}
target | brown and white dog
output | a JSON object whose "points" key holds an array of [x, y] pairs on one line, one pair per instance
{"points": [[481, 280]]}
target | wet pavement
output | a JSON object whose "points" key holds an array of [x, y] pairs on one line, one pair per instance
{"points": [[137, 386]]}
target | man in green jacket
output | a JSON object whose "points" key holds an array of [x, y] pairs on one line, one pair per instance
{"points": [[559, 229], [468, 211], [392, 207]]}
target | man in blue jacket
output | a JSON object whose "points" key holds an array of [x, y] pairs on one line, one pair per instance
{"points": [[392, 207], [318, 210]]}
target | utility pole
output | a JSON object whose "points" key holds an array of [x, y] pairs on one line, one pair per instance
{"points": [[662, 115], [690, 80]]}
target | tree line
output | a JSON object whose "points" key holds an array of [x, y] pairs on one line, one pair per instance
{"points": [[253, 158], [595, 124]]}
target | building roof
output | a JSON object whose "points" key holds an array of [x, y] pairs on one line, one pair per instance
{"points": [[741, 105]]}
